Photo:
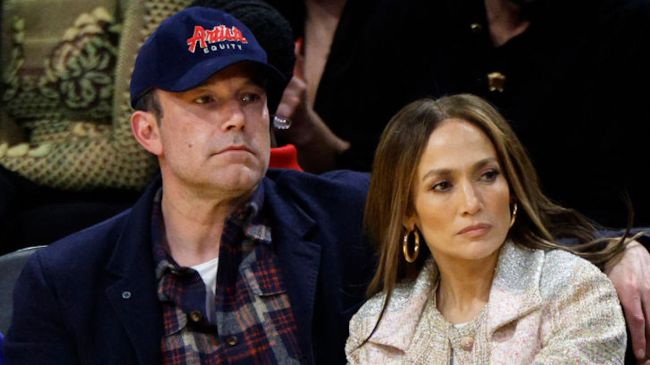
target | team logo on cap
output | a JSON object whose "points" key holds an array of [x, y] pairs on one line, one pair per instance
{"points": [[219, 37]]}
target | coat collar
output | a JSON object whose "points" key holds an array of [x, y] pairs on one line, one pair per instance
{"points": [[405, 308], [514, 293], [515, 289]]}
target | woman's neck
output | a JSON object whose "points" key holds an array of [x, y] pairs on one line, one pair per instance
{"points": [[464, 286]]}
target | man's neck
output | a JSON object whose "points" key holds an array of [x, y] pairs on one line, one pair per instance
{"points": [[194, 224]]}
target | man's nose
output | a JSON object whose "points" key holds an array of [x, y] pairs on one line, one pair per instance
{"points": [[235, 118]]}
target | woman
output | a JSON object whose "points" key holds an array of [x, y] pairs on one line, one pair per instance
{"points": [[469, 268]]}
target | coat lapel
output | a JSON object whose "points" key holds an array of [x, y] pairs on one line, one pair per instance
{"points": [[299, 258], [398, 325], [132, 290], [515, 289]]}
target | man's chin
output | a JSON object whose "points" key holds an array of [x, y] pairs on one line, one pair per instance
{"points": [[242, 178]]}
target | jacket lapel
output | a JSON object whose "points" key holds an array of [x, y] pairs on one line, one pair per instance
{"points": [[515, 289], [402, 316], [132, 291], [299, 258]]}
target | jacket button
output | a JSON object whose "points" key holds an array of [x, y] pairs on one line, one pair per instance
{"points": [[466, 343], [231, 341], [195, 316]]}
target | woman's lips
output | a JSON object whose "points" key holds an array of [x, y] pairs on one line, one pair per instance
{"points": [[475, 230]]}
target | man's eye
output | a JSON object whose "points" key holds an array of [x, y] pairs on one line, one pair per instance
{"points": [[251, 98], [204, 99]]}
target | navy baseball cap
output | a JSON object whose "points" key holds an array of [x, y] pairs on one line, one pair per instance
{"points": [[192, 45]]}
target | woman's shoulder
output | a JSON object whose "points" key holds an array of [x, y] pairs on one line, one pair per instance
{"points": [[562, 268], [553, 272], [562, 262], [579, 305]]}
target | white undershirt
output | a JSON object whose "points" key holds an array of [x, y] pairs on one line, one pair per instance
{"points": [[208, 272]]}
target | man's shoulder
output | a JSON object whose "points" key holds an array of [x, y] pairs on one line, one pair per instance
{"points": [[341, 181], [334, 176], [85, 247], [335, 192], [97, 243]]}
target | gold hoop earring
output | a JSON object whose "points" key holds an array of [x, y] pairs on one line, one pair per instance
{"points": [[514, 215], [416, 248]]}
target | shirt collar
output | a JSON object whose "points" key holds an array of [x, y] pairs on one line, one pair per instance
{"points": [[248, 217]]}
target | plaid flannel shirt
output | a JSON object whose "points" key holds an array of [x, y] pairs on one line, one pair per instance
{"points": [[253, 323]]}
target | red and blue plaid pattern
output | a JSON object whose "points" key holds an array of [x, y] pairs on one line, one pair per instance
{"points": [[253, 323]]}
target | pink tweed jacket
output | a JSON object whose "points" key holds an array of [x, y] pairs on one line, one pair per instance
{"points": [[545, 307]]}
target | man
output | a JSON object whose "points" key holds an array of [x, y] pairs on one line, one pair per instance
{"points": [[215, 263]]}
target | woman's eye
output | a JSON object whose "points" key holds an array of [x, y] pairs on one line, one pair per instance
{"points": [[203, 99], [490, 175], [441, 186]]}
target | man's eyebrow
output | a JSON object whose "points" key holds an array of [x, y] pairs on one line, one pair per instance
{"points": [[257, 83], [250, 81]]}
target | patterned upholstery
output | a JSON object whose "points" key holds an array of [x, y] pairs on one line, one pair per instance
{"points": [[65, 119]]}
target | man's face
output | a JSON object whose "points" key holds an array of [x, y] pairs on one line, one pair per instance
{"points": [[215, 137]]}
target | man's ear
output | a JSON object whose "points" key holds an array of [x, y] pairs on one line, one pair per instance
{"points": [[146, 131]]}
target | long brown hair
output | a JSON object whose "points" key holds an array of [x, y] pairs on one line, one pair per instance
{"points": [[539, 223]]}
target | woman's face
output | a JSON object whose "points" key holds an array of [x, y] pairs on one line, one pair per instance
{"points": [[461, 197]]}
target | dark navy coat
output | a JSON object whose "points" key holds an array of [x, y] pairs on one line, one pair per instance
{"points": [[91, 297]]}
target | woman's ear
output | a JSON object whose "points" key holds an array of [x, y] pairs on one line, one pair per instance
{"points": [[146, 130], [409, 223]]}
